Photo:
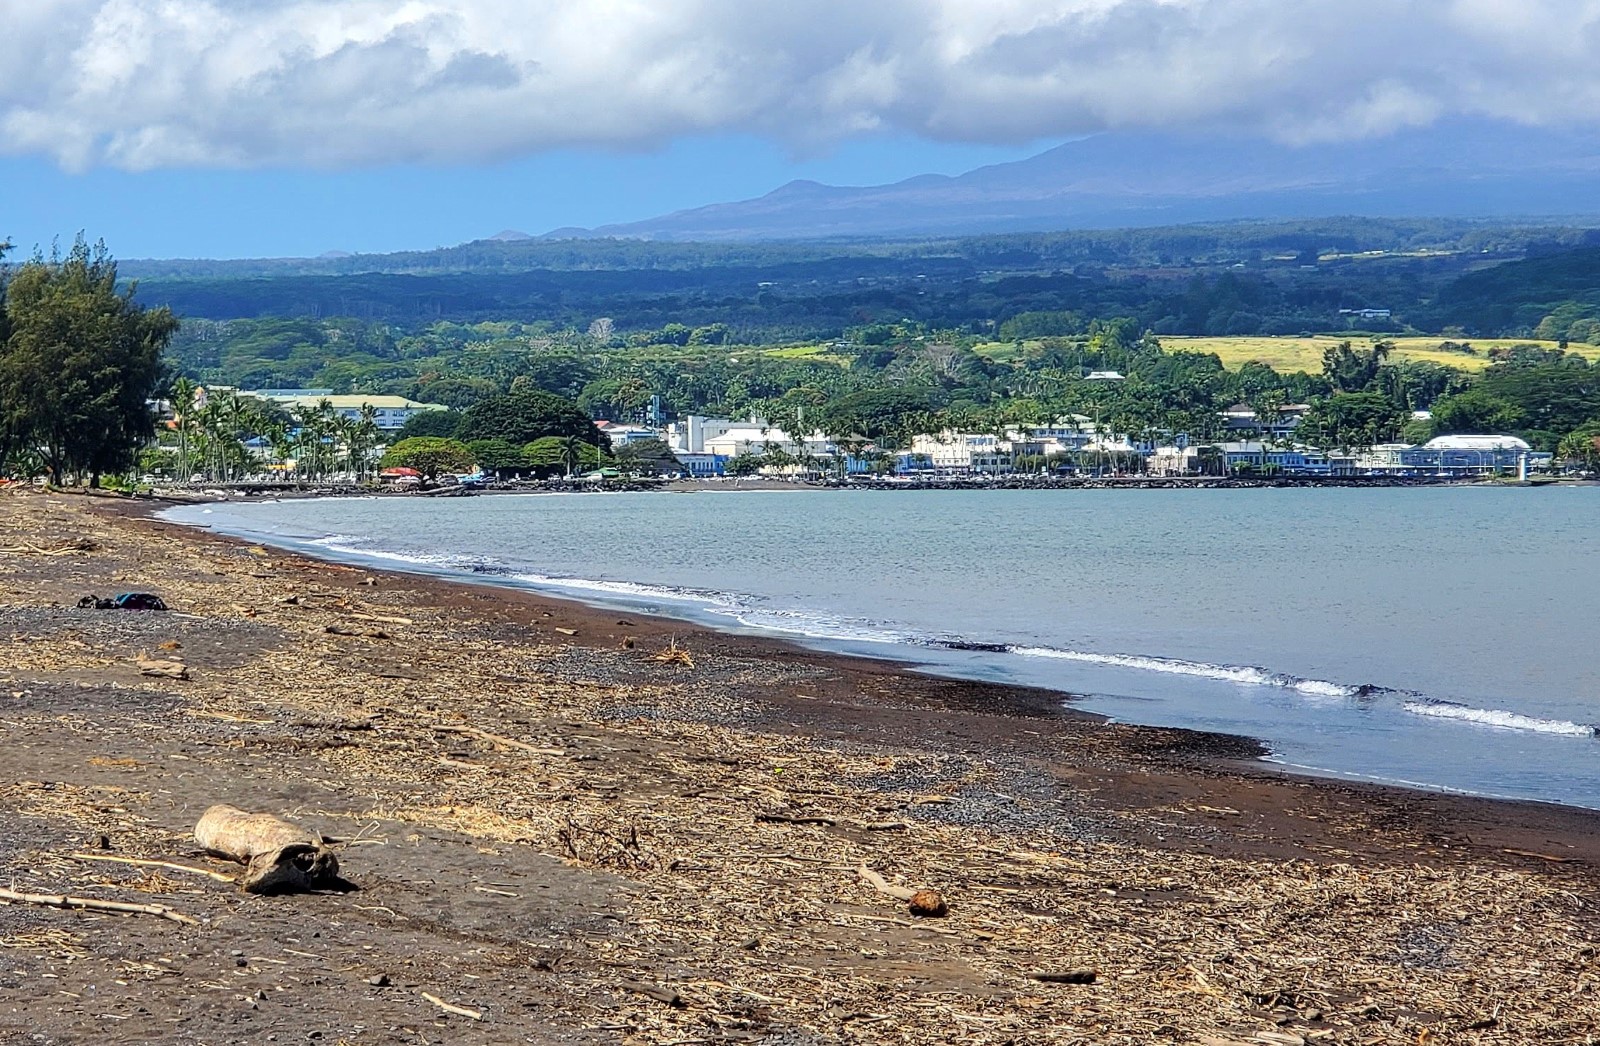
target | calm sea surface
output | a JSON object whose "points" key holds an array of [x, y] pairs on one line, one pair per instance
{"points": [[1441, 637]]}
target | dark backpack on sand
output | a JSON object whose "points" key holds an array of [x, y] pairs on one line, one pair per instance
{"points": [[126, 601]]}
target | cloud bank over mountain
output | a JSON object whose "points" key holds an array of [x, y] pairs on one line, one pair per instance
{"points": [[143, 84]]}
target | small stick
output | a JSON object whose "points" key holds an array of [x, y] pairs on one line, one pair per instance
{"points": [[459, 1011], [882, 885], [382, 619], [786, 819], [93, 905], [1064, 977], [509, 742], [145, 863]]}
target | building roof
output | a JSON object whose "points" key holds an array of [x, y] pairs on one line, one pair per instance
{"points": [[1465, 442]]}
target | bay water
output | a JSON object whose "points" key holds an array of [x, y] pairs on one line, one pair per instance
{"points": [[1440, 637]]}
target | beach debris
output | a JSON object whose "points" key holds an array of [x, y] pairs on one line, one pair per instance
{"points": [[656, 992], [143, 862], [567, 631], [923, 903], [164, 669], [94, 904], [672, 654], [382, 619], [279, 857], [60, 548], [125, 601], [793, 819], [606, 843], [498, 739], [363, 633], [1064, 976], [448, 1007]]}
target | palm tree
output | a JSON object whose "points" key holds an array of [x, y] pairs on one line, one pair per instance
{"points": [[363, 439], [184, 396], [572, 453]]}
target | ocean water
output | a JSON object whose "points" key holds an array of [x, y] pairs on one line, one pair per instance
{"points": [[1441, 637]]}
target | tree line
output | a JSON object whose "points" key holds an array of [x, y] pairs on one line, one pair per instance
{"points": [[80, 364]]}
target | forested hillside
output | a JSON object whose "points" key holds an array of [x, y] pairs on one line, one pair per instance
{"points": [[960, 332]]}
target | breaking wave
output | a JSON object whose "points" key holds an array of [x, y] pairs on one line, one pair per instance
{"points": [[1499, 718], [1247, 674]]}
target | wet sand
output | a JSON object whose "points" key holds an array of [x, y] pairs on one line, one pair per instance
{"points": [[547, 809]]}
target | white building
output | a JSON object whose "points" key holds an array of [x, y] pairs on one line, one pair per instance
{"points": [[964, 451], [621, 435], [744, 438], [688, 435], [391, 412], [1174, 461]]}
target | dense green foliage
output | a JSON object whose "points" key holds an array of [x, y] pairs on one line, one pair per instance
{"points": [[525, 414], [79, 363], [429, 455]]}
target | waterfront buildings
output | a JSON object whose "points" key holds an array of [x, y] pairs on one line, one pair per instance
{"points": [[391, 412]]}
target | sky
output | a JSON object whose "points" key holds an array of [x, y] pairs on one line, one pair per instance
{"points": [[229, 128]]}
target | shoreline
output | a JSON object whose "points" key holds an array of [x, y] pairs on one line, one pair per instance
{"points": [[563, 801], [1228, 752], [249, 490], [941, 655]]}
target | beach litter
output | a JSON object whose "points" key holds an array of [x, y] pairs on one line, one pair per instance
{"points": [[60, 548], [125, 601], [279, 857]]}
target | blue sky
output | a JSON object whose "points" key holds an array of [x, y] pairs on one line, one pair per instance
{"points": [[284, 212], [228, 128]]}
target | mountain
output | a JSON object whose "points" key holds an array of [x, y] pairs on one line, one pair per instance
{"points": [[510, 236], [1453, 169]]}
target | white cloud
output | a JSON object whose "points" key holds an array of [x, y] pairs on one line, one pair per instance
{"points": [[152, 83]]}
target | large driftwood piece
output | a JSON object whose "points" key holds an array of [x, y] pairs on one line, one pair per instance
{"points": [[279, 857]]}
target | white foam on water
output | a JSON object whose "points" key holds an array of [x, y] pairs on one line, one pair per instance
{"points": [[814, 625], [1246, 674], [1499, 718], [631, 589]]}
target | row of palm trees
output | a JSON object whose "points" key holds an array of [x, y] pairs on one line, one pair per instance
{"points": [[211, 428]]}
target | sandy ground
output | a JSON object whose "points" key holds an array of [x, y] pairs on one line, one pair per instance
{"points": [[583, 826]]}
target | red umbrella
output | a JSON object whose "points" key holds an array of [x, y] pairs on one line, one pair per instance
{"points": [[396, 473]]}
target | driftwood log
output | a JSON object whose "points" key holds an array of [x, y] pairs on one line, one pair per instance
{"points": [[279, 857]]}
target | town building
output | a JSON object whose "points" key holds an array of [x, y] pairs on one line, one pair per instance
{"points": [[1241, 417], [1293, 460], [950, 451], [622, 434], [1458, 454], [702, 466], [391, 412]]}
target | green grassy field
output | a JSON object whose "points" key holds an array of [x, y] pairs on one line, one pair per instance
{"points": [[1288, 355], [1292, 354], [807, 352]]}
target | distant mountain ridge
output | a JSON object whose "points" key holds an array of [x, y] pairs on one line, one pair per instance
{"points": [[1455, 169]]}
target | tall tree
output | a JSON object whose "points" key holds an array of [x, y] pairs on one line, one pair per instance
{"points": [[81, 363]]}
